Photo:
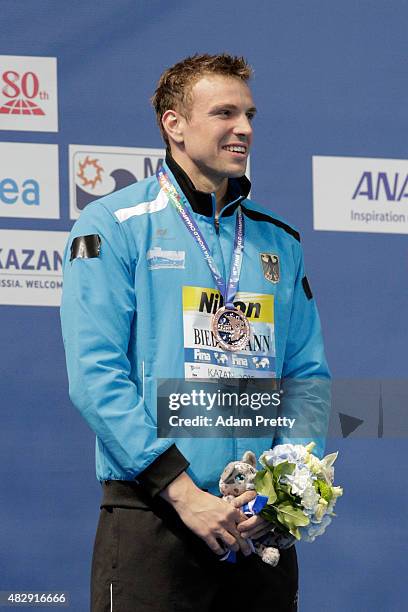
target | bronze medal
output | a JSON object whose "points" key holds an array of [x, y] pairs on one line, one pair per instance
{"points": [[231, 329]]}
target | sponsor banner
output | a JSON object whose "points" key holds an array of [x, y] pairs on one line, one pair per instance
{"points": [[202, 356], [31, 267], [97, 171], [356, 194], [29, 180], [28, 93]]}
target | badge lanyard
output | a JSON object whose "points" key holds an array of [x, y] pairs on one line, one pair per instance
{"points": [[229, 324]]}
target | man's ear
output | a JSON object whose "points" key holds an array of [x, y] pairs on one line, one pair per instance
{"points": [[173, 123]]}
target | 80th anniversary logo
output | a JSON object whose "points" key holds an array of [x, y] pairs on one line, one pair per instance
{"points": [[28, 93]]}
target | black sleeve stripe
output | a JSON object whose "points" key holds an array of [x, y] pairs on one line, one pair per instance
{"points": [[306, 288], [258, 216], [85, 247]]}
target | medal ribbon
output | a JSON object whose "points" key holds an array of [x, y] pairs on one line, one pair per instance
{"points": [[179, 202]]}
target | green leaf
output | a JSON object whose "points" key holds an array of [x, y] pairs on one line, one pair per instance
{"points": [[259, 476], [324, 489], [285, 527], [282, 496], [269, 468], [295, 532], [287, 489], [277, 520], [283, 469], [264, 485], [269, 514], [292, 517]]}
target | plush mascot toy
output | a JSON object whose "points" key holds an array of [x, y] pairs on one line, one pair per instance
{"points": [[238, 477]]}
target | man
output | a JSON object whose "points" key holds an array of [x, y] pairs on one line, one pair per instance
{"points": [[151, 273]]}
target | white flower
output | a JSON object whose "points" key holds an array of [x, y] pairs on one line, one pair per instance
{"points": [[310, 500], [299, 480], [292, 453], [337, 492], [326, 467], [321, 511], [312, 531], [313, 463]]}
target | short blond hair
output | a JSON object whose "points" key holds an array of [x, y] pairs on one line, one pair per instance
{"points": [[175, 84]]}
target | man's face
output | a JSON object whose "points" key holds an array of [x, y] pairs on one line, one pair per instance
{"points": [[218, 134]]}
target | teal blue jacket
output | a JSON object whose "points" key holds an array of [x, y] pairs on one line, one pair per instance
{"points": [[122, 323]]}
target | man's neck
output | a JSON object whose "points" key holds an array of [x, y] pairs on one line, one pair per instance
{"points": [[202, 182]]}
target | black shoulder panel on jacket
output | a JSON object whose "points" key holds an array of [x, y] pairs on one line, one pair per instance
{"points": [[258, 216], [85, 247], [306, 288]]}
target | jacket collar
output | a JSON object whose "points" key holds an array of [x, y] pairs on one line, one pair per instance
{"points": [[201, 202]]}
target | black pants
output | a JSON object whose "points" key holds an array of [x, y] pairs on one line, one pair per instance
{"points": [[146, 560]]}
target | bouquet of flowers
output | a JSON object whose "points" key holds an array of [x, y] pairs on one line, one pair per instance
{"points": [[300, 491]]}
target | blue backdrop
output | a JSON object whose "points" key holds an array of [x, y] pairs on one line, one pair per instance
{"points": [[330, 79]]}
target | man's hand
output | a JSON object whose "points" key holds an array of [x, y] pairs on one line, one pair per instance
{"points": [[254, 526], [210, 518]]}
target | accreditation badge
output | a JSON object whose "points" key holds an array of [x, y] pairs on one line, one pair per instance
{"points": [[253, 331]]}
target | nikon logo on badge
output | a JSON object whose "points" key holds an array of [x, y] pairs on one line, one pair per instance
{"points": [[28, 93], [211, 302], [29, 181], [360, 194], [204, 301], [97, 171]]}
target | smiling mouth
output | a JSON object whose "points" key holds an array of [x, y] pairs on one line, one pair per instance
{"points": [[240, 149]]}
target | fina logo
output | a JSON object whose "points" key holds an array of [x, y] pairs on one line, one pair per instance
{"points": [[376, 186], [100, 171]]}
